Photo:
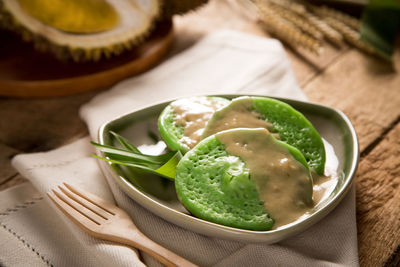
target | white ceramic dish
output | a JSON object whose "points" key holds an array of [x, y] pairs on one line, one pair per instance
{"points": [[158, 195]]}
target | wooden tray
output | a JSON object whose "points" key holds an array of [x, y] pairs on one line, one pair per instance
{"points": [[27, 73]]}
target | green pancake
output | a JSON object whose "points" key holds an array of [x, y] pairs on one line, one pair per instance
{"points": [[217, 186], [281, 119], [172, 129]]}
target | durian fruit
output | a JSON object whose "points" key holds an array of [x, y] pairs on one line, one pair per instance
{"points": [[81, 30]]}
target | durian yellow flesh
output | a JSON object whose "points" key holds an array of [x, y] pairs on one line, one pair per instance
{"points": [[135, 20], [75, 16], [87, 30]]}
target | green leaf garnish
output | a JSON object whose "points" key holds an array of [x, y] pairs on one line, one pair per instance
{"points": [[125, 155], [125, 143], [169, 168], [129, 155]]}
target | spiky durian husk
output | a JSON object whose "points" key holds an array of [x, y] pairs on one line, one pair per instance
{"points": [[78, 53], [179, 7]]}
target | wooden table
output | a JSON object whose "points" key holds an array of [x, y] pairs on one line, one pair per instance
{"points": [[364, 88]]}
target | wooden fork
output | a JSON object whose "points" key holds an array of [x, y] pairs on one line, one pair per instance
{"points": [[106, 221]]}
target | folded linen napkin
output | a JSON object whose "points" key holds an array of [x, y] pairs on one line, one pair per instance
{"points": [[36, 233]]}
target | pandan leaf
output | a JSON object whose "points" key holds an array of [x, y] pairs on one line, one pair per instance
{"points": [[125, 155], [168, 170], [380, 25], [129, 155], [125, 143]]}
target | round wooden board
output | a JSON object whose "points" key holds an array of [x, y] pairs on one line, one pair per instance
{"points": [[27, 73]]}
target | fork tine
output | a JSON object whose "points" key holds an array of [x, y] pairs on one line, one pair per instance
{"points": [[79, 207], [101, 203], [83, 201], [118, 228], [71, 213]]}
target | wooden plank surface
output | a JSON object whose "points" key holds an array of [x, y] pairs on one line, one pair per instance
{"points": [[368, 92], [41, 124], [366, 89], [378, 201], [363, 87]]}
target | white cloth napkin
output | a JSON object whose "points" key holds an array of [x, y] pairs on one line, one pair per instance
{"points": [[35, 233]]}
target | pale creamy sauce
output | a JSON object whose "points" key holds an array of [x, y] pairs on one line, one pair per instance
{"points": [[238, 115], [282, 181], [284, 184], [193, 114]]}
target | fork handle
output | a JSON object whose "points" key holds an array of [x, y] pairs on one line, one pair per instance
{"points": [[165, 256]]}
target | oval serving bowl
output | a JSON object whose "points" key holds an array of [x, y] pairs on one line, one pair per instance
{"points": [[158, 194]]}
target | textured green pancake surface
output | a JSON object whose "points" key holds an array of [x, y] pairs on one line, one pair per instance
{"points": [[171, 132], [216, 186], [292, 127]]}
